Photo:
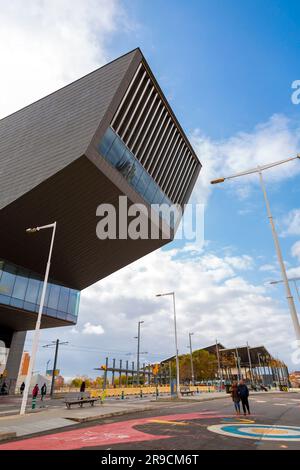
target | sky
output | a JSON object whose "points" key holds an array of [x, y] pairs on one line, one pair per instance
{"points": [[227, 69]]}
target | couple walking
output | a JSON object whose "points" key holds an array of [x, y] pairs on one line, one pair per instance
{"points": [[240, 393]]}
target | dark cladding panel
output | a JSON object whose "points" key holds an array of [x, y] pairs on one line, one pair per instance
{"points": [[43, 138]]}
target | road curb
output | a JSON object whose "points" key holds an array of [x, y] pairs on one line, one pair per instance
{"points": [[7, 435], [108, 415]]}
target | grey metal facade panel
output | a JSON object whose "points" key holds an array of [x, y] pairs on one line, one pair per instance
{"points": [[46, 136]]}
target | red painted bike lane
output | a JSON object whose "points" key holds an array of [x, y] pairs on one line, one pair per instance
{"points": [[105, 434]]}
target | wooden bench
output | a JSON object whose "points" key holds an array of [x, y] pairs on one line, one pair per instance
{"points": [[79, 399], [186, 391]]}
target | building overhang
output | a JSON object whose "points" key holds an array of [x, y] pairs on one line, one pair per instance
{"points": [[14, 319], [71, 198]]}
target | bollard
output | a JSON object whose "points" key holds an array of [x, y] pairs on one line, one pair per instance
{"points": [[141, 393], [33, 404], [122, 395], [197, 390]]}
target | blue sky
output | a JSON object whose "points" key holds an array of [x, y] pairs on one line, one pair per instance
{"points": [[226, 68]]}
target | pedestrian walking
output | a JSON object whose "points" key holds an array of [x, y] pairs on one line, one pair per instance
{"points": [[43, 391], [82, 386], [22, 386], [35, 391], [236, 397], [243, 392]]}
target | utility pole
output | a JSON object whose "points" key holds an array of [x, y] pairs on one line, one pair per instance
{"points": [[57, 344], [250, 363], [219, 365], [138, 337], [192, 364]]}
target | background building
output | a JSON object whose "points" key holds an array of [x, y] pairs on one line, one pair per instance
{"points": [[109, 134]]}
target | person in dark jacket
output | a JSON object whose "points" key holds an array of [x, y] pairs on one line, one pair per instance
{"points": [[43, 391], [22, 386], [244, 394], [235, 397], [82, 386]]}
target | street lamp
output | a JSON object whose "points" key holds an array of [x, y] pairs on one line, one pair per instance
{"points": [[291, 279], [191, 353], [39, 317], [176, 345], [289, 296], [138, 353]]}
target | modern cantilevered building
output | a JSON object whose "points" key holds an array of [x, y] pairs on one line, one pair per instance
{"points": [[108, 134]]}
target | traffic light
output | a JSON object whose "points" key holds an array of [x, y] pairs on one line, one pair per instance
{"points": [[103, 368], [155, 369]]}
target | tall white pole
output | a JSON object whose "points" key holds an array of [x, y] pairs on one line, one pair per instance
{"points": [[250, 363], [176, 344], [192, 363], [219, 366], [260, 373], [37, 326], [289, 296], [176, 347]]}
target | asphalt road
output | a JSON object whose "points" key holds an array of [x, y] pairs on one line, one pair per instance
{"points": [[274, 423]]}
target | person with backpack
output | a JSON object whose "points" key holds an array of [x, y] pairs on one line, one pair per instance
{"points": [[243, 392]]}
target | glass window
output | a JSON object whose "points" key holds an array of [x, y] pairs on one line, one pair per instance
{"points": [[126, 166], [29, 306], [143, 183], [150, 192], [158, 196], [18, 303], [73, 302], [54, 296], [20, 286], [137, 171], [4, 299], [63, 299], [116, 152], [22, 289], [8, 279], [106, 141], [32, 290]]}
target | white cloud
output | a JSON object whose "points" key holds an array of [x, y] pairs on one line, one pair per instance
{"points": [[267, 267], [273, 140], [47, 44], [89, 329], [295, 250], [291, 223]]}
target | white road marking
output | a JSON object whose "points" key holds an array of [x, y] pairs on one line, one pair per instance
{"points": [[279, 404], [260, 401]]}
